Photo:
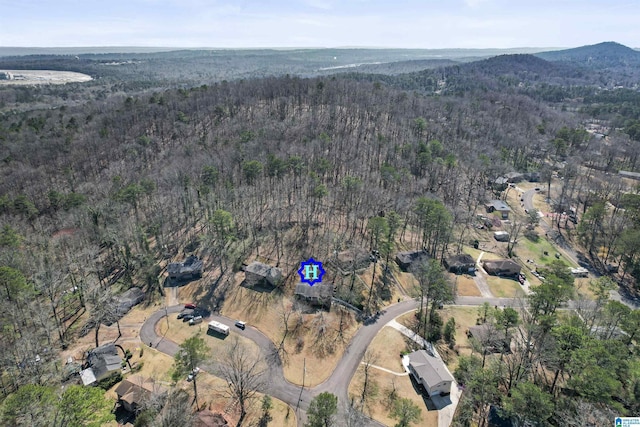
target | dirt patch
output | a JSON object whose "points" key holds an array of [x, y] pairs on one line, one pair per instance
{"points": [[379, 406], [387, 346], [466, 286]]}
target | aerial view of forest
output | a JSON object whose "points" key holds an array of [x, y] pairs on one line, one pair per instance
{"points": [[475, 214]]}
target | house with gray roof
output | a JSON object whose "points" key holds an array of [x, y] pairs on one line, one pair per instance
{"points": [[319, 294], [430, 372], [101, 362], [259, 274], [499, 206], [352, 259], [190, 268]]}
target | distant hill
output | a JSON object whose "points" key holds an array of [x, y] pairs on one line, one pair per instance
{"points": [[527, 68], [601, 55]]}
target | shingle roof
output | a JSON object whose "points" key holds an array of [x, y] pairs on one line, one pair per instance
{"points": [[429, 368], [135, 388], [319, 290], [499, 205]]}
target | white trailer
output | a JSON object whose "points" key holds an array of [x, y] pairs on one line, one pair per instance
{"points": [[218, 327]]}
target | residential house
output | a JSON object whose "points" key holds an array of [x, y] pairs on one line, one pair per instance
{"points": [[514, 177], [353, 259], [101, 362], [501, 267], [489, 337], [318, 295], [124, 303], [259, 274], [191, 268], [500, 183], [461, 263], [406, 259], [133, 392], [430, 372], [499, 206]]}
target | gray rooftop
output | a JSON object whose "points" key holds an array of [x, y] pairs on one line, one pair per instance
{"points": [[319, 290], [499, 205], [429, 368], [269, 273], [190, 265]]}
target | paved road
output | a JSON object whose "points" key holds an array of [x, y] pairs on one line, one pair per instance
{"points": [[338, 383]]}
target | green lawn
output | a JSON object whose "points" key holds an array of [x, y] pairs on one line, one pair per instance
{"points": [[527, 249], [504, 288]]}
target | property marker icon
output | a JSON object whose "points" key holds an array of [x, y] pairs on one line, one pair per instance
{"points": [[311, 271]]}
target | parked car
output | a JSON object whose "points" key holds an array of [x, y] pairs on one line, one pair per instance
{"points": [[240, 324], [188, 317], [184, 313], [195, 320], [190, 305]]}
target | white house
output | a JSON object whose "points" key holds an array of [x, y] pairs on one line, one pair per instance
{"points": [[431, 372]]}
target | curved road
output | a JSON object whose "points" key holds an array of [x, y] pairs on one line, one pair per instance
{"points": [[276, 385]]}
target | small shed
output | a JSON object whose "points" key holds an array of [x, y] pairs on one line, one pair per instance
{"points": [[461, 263], [502, 267], [318, 295], [406, 259], [259, 274], [430, 372], [499, 206]]}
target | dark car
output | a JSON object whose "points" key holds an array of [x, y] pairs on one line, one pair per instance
{"points": [[188, 317], [184, 313]]}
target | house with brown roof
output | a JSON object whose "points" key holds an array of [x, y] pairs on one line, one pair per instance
{"points": [[133, 391], [430, 372], [502, 267]]}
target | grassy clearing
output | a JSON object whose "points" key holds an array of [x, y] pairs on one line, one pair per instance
{"points": [[379, 406], [504, 288], [527, 249]]}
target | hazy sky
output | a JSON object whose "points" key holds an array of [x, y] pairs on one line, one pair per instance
{"points": [[319, 23]]}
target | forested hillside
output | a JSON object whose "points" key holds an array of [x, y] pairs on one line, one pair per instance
{"points": [[102, 184]]}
